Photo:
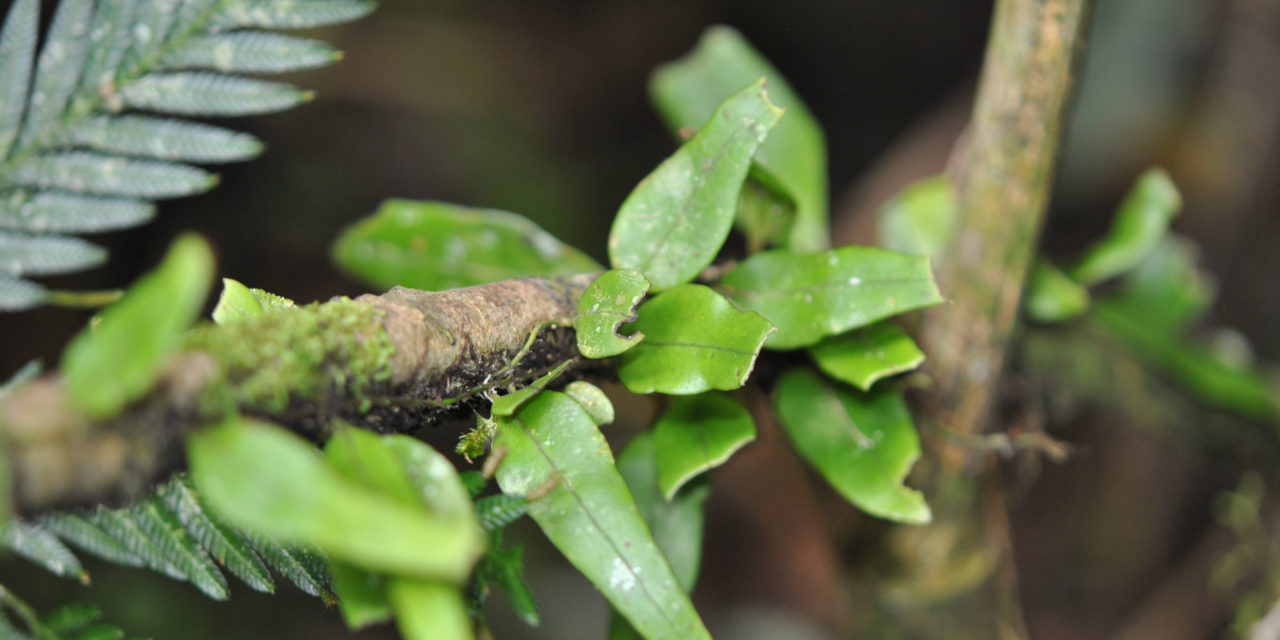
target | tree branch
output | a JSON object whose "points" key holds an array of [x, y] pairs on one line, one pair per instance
{"points": [[390, 363]]}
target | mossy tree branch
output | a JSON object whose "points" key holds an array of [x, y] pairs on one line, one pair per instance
{"points": [[390, 363]]}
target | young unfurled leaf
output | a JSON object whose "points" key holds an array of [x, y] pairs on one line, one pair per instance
{"points": [[1052, 296], [114, 363], [862, 443], [863, 356], [609, 301], [698, 433], [792, 160], [1139, 225], [674, 223], [272, 482], [239, 301], [590, 515], [809, 296], [508, 404], [593, 399], [435, 245], [695, 340], [920, 218]]}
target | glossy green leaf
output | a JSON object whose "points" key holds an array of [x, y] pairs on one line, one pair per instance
{"points": [[792, 161], [1139, 225], [608, 302], [427, 610], [809, 296], [272, 482], [695, 341], [508, 404], [435, 246], [698, 433], [115, 362], [362, 595], [864, 444], [677, 524], [920, 219], [593, 399], [675, 221], [590, 515], [763, 216], [236, 302], [1052, 296], [863, 356]]}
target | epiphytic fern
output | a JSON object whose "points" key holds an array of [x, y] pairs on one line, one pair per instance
{"points": [[88, 133]]}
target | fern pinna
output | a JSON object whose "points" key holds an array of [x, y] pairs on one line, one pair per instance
{"points": [[93, 129]]}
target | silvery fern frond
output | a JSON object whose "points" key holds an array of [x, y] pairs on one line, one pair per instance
{"points": [[94, 124]]}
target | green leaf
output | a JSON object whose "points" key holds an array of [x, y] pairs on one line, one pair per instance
{"points": [[53, 211], [304, 568], [698, 433], [508, 404], [178, 549], [17, 53], [163, 139], [88, 172], [290, 14], [236, 302], [593, 399], [694, 341], [435, 246], [89, 536], [866, 355], [17, 294], [38, 545], [498, 511], [223, 543], [1139, 225], [792, 161], [427, 610], [272, 482], [674, 223], [198, 93], [590, 515], [862, 443], [504, 567], [72, 617], [1166, 290], [763, 216], [362, 595], [677, 524], [608, 302], [115, 362], [250, 52], [810, 296], [1052, 296], [21, 254], [58, 68], [920, 219]]}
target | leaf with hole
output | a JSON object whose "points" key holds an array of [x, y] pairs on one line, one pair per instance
{"points": [[864, 444], [590, 515], [675, 221], [809, 296], [609, 302], [695, 341]]}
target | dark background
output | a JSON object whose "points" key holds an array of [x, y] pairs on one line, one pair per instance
{"points": [[539, 107]]}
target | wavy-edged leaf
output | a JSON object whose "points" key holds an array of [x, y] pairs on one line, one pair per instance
{"points": [[17, 294], [89, 172], [607, 303], [508, 404], [675, 221], [436, 245], [119, 359], [1052, 296], [86, 534], [178, 548], [590, 515], [695, 340], [43, 548], [17, 54], [866, 355], [1139, 226], [696, 434], [810, 296], [58, 68], [864, 444], [23, 254], [250, 52], [290, 14], [219, 540], [163, 139], [199, 93], [593, 399], [266, 479], [57, 211], [792, 160], [920, 218]]}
